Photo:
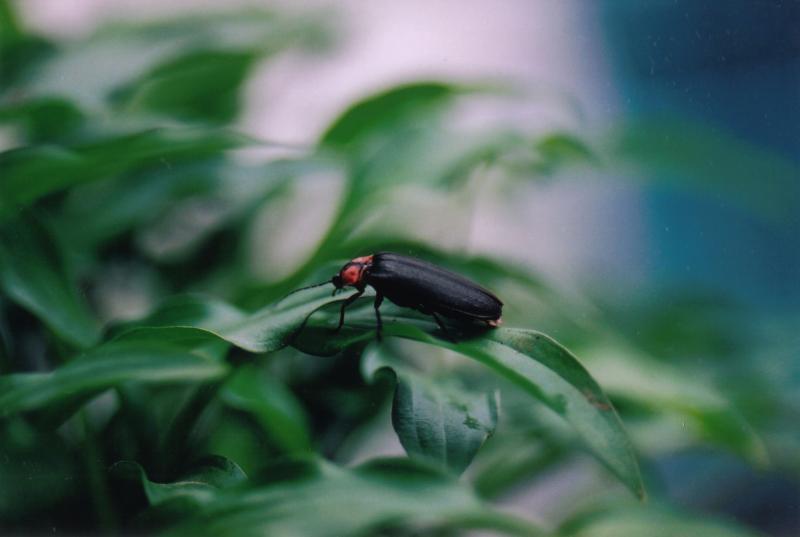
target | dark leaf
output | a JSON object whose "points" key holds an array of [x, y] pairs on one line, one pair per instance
{"points": [[272, 405], [105, 367], [199, 486], [390, 493], [34, 274], [437, 422], [31, 172]]}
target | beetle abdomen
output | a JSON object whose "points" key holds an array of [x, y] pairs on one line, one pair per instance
{"points": [[411, 282]]}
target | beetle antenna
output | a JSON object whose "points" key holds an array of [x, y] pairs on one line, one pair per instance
{"points": [[326, 282]]}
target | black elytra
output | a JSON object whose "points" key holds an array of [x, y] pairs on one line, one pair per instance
{"points": [[413, 283]]}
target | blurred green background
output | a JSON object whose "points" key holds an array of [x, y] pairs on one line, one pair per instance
{"points": [[624, 175]]}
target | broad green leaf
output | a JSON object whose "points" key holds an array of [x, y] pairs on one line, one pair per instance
{"points": [[650, 521], [20, 51], [550, 373], [199, 85], [196, 319], [31, 172], [33, 273], [45, 119], [272, 327], [199, 486], [385, 112], [133, 199], [193, 310], [272, 405], [437, 422], [331, 501], [533, 361], [106, 366]]}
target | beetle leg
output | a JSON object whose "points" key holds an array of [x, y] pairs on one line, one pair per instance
{"points": [[443, 326], [377, 304], [346, 303]]}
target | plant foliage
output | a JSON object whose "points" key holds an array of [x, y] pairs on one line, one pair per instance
{"points": [[152, 381]]}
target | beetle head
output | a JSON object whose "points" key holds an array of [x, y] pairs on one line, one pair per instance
{"points": [[352, 273]]}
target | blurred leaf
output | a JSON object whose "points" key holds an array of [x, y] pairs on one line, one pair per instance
{"points": [[698, 157], [199, 486], [272, 405], [37, 470], [130, 201], [514, 457], [559, 149], [192, 310], [436, 422], [105, 367], [31, 172], [386, 112], [20, 51], [33, 273], [335, 502], [651, 521], [199, 85], [45, 119], [663, 389]]}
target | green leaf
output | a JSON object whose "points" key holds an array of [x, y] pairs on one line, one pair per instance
{"points": [[195, 320], [385, 112], [33, 273], [38, 470], [436, 422], [533, 361], [199, 486], [272, 405], [105, 367], [556, 150], [20, 51], [330, 501], [270, 328], [31, 172], [550, 373], [133, 199], [199, 85], [44, 119], [650, 521], [540, 366], [193, 310]]}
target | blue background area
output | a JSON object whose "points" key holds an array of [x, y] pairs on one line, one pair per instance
{"points": [[733, 66]]}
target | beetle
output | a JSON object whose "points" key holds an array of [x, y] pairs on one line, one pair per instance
{"points": [[413, 283]]}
